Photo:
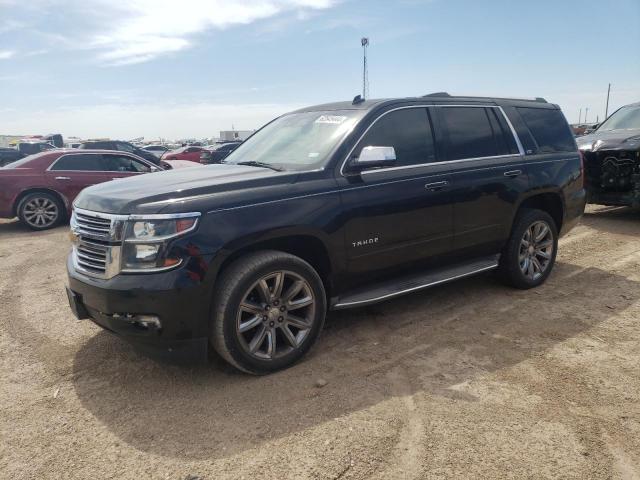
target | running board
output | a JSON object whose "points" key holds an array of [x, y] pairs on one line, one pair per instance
{"points": [[411, 283]]}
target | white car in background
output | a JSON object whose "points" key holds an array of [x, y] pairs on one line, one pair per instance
{"points": [[157, 150]]}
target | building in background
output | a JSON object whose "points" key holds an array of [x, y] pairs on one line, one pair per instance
{"points": [[229, 135]]}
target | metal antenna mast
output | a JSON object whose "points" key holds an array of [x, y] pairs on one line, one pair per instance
{"points": [[365, 72]]}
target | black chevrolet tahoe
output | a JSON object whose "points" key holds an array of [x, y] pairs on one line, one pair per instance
{"points": [[329, 207]]}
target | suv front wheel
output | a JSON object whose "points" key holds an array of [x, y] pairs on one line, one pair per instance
{"points": [[530, 254], [269, 309]]}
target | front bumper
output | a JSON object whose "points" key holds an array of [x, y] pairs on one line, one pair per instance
{"points": [[181, 304]]}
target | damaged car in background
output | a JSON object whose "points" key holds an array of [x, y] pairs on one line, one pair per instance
{"points": [[612, 159]]}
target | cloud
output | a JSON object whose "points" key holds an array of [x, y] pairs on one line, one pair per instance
{"points": [[146, 29], [6, 54]]}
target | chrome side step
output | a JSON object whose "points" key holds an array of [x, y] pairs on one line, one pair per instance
{"points": [[411, 283]]}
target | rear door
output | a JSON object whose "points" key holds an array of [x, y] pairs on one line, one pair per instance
{"points": [[396, 215], [488, 175], [75, 171]]}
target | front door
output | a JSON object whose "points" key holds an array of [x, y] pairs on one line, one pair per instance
{"points": [[75, 171], [397, 215]]}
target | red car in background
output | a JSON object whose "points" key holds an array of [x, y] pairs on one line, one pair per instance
{"points": [[40, 189], [191, 153]]}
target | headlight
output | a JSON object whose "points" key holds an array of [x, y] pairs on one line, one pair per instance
{"points": [[146, 241]]}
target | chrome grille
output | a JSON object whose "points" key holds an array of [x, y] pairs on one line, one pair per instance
{"points": [[92, 256], [97, 242], [92, 225]]}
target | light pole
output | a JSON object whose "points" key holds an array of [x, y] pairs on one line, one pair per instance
{"points": [[606, 110], [364, 41], [586, 112], [580, 116]]}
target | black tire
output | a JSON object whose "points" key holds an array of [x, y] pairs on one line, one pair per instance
{"points": [[511, 261], [53, 211], [236, 285]]}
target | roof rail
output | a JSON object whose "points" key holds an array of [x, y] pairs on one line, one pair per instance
{"points": [[437, 94], [357, 100]]}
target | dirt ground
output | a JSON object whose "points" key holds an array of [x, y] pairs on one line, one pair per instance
{"points": [[467, 380]]}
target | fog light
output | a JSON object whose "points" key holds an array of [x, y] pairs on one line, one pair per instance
{"points": [[146, 253], [148, 321]]}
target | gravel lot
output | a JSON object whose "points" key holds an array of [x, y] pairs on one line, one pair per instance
{"points": [[467, 380]]}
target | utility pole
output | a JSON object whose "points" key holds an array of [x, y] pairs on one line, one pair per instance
{"points": [[365, 72], [580, 116], [606, 110]]}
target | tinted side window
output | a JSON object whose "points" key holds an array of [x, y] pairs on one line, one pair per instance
{"points": [[549, 129], [469, 133], [504, 138], [408, 131], [124, 147], [121, 163], [91, 163]]}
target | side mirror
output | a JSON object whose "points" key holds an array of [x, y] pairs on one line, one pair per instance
{"points": [[371, 157]]}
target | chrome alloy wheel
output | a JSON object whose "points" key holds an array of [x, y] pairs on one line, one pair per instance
{"points": [[536, 250], [40, 212], [276, 315]]}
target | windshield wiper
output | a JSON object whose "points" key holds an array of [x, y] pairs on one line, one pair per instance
{"points": [[253, 163]]}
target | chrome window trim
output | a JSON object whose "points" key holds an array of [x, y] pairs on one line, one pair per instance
{"points": [[513, 132], [446, 162], [114, 152]]}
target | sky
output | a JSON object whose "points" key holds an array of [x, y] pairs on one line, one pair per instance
{"points": [[190, 68]]}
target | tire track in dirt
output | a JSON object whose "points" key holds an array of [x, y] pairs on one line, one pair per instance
{"points": [[17, 279], [409, 450]]}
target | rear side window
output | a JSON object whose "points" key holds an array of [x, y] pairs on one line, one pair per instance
{"points": [[473, 132], [79, 163], [124, 147], [122, 163], [408, 131], [549, 129]]}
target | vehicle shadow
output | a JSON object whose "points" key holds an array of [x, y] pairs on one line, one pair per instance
{"points": [[620, 220], [433, 340]]}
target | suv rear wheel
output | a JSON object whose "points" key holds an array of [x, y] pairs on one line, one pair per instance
{"points": [[40, 211], [530, 254], [269, 310]]}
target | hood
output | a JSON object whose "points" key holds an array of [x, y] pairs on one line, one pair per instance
{"points": [[182, 190], [610, 140]]}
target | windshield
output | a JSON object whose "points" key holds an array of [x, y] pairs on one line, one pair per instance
{"points": [[297, 141], [627, 118]]}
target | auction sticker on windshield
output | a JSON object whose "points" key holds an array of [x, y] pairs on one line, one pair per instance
{"points": [[331, 119]]}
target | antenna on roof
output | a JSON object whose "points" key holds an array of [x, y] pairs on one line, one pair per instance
{"points": [[357, 100]]}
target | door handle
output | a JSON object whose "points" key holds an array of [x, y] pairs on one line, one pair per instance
{"points": [[436, 185], [513, 173], [63, 178]]}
